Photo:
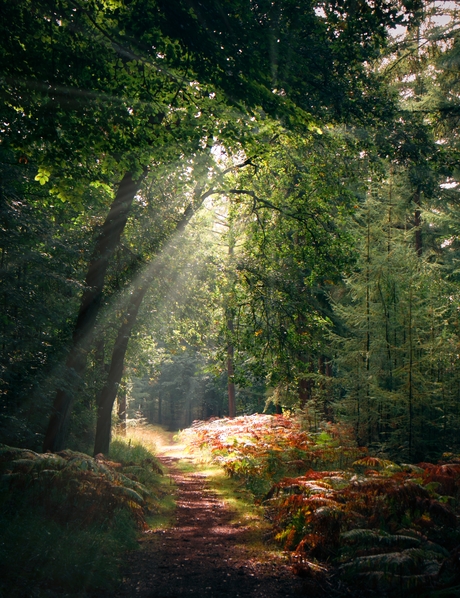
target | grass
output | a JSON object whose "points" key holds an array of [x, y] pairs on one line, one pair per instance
{"points": [[134, 447], [151, 437]]}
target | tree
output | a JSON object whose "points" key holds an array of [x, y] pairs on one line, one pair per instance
{"points": [[392, 360], [113, 140], [41, 252], [108, 393], [293, 247], [142, 79], [82, 337]]}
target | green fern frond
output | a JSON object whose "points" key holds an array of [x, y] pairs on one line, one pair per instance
{"points": [[10, 453], [105, 471], [437, 549], [23, 465], [137, 486], [50, 460], [376, 463], [413, 533], [128, 494], [369, 537], [47, 475], [415, 561], [381, 581]]}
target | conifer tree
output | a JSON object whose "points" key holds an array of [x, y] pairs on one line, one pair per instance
{"points": [[391, 361]]}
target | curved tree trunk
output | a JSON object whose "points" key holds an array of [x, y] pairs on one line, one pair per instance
{"points": [[82, 337], [108, 394]]}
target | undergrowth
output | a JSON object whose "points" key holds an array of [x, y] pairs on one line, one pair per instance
{"points": [[67, 518], [139, 443], [389, 528]]}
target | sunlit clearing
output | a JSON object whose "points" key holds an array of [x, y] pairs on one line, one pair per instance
{"points": [[157, 439]]}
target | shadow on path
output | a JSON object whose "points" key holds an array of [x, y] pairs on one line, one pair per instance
{"points": [[203, 553]]}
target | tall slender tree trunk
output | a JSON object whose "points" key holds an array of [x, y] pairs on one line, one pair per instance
{"points": [[106, 243], [230, 331], [368, 328], [410, 379], [306, 384], [122, 406], [325, 370], [231, 371], [418, 223]]}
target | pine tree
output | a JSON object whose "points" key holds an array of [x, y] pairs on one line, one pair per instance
{"points": [[393, 357]]}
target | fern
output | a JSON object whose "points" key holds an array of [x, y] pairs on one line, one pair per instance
{"points": [[365, 538], [395, 527], [66, 516], [128, 494], [70, 484]]}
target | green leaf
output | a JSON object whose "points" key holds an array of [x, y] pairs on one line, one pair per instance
{"points": [[43, 175]]}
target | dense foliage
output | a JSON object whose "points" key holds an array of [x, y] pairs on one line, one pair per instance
{"points": [[67, 518], [378, 524], [212, 208], [220, 209]]}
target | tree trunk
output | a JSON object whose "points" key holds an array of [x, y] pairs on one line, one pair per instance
{"points": [[106, 244], [410, 382], [160, 399], [230, 331], [109, 392], [418, 223], [306, 384], [305, 394], [122, 413], [231, 373]]}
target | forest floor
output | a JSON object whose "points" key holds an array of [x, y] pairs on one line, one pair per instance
{"points": [[207, 548]]}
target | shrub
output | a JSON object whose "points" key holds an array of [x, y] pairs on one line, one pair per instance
{"points": [[66, 518]]}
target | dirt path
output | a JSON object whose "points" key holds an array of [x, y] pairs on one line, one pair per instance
{"points": [[203, 553]]}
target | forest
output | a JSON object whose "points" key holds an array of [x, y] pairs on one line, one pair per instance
{"points": [[237, 209]]}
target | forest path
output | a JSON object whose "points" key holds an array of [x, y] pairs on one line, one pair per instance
{"points": [[205, 552]]}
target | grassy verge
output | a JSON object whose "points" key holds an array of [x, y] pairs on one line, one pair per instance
{"points": [[136, 443]]}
